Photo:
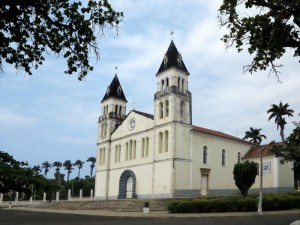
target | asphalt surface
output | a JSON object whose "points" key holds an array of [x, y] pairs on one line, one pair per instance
{"points": [[23, 216]]}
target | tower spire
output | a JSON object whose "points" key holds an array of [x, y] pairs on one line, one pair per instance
{"points": [[172, 59], [114, 90]]}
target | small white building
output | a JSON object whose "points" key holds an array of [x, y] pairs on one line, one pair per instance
{"points": [[163, 155], [277, 177]]}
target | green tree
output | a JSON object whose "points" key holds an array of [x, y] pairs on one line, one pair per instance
{"points": [[92, 160], [244, 175], [290, 151], [14, 175], [57, 166], [278, 112], [85, 184], [254, 135], [268, 28], [69, 167], [46, 166], [79, 164], [37, 169], [31, 28]]}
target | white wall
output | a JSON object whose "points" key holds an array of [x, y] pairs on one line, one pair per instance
{"points": [[220, 177]]}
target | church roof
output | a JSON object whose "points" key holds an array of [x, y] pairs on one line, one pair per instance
{"points": [[114, 90], [218, 133], [144, 114], [172, 59], [254, 152]]}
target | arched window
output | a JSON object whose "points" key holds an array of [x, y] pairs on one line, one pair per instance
{"points": [[120, 111], [116, 153], [130, 149], [178, 83], [205, 155], [239, 157], [179, 59], [162, 86], [143, 148], [167, 108], [165, 60], [182, 108], [119, 90], [167, 82], [116, 110], [166, 141], [161, 110], [104, 130], [147, 147], [182, 86], [119, 155], [223, 157], [160, 142], [134, 150], [126, 152]]}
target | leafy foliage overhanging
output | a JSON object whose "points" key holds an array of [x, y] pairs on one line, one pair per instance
{"points": [[30, 28], [268, 28]]}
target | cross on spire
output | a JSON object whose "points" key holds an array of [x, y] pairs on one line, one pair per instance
{"points": [[171, 34], [116, 68]]}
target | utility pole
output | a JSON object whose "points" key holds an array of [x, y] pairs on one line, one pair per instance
{"points": [[259, 210]]}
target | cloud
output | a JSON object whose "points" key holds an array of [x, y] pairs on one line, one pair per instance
{"points": [[10, 118]]}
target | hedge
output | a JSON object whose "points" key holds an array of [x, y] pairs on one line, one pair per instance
{"points": [[213, 205], [235, 204]]}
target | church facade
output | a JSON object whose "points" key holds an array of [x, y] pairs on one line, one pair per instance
{"points": [[140, 155]]}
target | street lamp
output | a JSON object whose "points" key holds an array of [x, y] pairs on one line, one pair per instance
{"points": [[259, 210]]}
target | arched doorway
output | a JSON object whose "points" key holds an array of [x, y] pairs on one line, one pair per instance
{"points": [[127, 185]]}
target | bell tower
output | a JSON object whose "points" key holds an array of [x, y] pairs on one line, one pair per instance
{"points": [[113, 107], [173, 98]]}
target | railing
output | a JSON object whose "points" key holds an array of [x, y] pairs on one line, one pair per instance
{"points": [[172, 89], [111, 115]]}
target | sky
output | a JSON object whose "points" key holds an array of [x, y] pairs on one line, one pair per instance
{"points": [[50, 116]]}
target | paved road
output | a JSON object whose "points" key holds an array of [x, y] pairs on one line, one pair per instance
{"points": [[14, 217]]}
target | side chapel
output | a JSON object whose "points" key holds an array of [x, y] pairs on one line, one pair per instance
{"points": [[164, 155]]}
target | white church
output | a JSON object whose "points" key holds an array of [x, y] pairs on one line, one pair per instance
{"points": [[164, 155]]}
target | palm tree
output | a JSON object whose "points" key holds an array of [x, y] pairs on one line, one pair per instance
{"points": [[69, 167], [37, 169], [58, 165], [79, 164], [46, 166], [278, 112], [93, 161], [254, 135]]}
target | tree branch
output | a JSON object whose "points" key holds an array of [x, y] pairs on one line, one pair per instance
{"points": [[26, 3]]}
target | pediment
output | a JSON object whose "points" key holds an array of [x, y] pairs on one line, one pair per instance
{"points": [[135, 122]]}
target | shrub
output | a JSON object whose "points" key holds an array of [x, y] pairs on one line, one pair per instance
{"points": [[271, 202], [213, 205]]}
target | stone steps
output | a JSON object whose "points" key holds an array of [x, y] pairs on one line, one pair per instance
{"points": [[127, 205]]}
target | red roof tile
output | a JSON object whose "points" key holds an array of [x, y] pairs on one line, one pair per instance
{"points": [[218, 133], [255, 151]]}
